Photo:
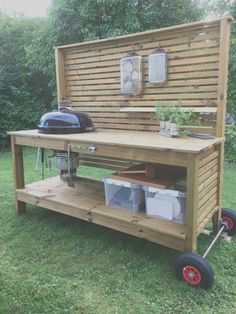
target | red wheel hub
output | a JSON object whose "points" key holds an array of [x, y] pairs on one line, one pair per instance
{"points": [[192, 275], [229, 222]]}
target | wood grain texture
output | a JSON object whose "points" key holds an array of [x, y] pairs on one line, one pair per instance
{"points": [[18, 172], [86, 201], [92, 74]]}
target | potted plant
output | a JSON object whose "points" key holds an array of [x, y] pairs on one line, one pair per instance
{"points": [[172, 117]]}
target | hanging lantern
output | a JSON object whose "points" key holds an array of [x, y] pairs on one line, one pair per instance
{"points": [[157, 66], [131, 74]]}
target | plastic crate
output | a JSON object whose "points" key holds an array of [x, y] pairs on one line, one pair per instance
{"points": [[165, 204], [123, 194]]}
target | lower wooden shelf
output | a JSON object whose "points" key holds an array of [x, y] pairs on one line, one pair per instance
{"points": [[86, 201]]}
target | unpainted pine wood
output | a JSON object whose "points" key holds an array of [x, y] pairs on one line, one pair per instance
{"points": [[193, 39], [113, 139], [202, 200], [113, 60], [60, 74], [86, 202], [208, 166], [206, 208], [223, 75], [175, 73], [192, 203], [18, 172], [165, 30], [115, 67], [217, 215], [208, 157], [202, 225]]}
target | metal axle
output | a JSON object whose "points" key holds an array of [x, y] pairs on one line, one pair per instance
{"points": [[224, 226]]}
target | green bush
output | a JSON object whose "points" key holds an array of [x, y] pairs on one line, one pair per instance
{"points": [[230, 143]]}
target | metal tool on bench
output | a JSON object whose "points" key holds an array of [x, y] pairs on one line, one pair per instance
{"points": [[149, 171]]}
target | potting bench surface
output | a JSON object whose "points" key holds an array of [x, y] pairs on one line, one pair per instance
{"points": [[88, 74]]}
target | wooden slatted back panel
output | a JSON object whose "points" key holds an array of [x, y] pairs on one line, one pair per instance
{"points": [[88, 74]]}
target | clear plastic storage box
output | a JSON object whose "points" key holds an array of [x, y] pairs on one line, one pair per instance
{"points": [[165, 204], [123, 194]]}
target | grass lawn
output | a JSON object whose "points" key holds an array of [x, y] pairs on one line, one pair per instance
{"points": [[51, 263]]}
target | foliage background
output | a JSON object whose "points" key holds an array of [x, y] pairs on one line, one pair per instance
{"points": [[27, 73]]}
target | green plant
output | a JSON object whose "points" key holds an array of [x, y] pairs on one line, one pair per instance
{"points": [[230, 143], [167, 111]]}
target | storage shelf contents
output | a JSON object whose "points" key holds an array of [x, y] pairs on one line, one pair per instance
{"points": [[123, 194], [165, 204]]}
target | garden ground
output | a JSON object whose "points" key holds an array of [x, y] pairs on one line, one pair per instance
{"points": [[51, 263]]}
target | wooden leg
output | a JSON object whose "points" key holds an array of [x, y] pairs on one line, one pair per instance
{"points": [[216, 221], [18, 172], [191, 208], [216, 217]]}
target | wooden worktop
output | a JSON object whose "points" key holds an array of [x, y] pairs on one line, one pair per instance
{"points": [[147, 140]]}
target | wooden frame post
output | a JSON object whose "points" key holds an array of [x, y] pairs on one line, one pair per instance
{"points": [[18, 172], [60, 75], [223, 75], [221, 106], [192, 203], [216, 217]]}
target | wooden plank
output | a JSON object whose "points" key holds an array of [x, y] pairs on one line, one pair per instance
{"points": [[165, 30], [175, 73], [114, 106], [112, 60], [18, 172], [208, 166], [60, 75], [150, 109], [115, 66], [206, 207], [207, 182], [105, 139], [205, 198], [174, 42], [171, 46], [213, 155], [202, 225], [206, 96], [223, 75], [171, 86], [191, 204], [208, 189], [196, 89], [208, 173], [55, 195], [217, 216]]}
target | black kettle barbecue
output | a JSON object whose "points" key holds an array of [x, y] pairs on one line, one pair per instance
{"points": [[65, 121]]}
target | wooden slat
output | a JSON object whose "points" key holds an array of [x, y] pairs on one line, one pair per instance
{"points": [[150, 109], [208, 218], [112, 60], [60, 74], [54, 195], [18, 172], [208, 166], [223, 75], [207, 208]]}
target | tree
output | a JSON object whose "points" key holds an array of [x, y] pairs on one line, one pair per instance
{"points": [[22, 100]]}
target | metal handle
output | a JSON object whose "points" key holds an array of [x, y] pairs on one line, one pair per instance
{"points": [[92, 148]]}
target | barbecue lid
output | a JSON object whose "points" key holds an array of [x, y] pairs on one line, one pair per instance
{"points": [[65, 121]]}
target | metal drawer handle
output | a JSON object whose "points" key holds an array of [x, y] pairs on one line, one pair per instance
{"points": [[92, 148]]}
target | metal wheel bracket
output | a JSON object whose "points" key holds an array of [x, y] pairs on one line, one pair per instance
{"points": [[221, 232]]}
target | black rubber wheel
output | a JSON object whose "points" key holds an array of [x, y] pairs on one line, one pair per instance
{"points": [[195, 270], [229, 216]]}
